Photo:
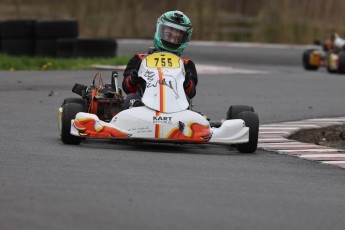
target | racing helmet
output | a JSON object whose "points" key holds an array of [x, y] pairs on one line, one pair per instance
{"points": [[173, 32]]}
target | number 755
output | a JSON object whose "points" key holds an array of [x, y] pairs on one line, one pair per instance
{"points": [[163, 61]]}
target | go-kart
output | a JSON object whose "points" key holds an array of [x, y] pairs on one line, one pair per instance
{"points": [[330, 57], [165, 114]]}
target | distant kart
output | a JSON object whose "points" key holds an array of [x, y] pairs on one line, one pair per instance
{"points": [[332, 59], [165, 115]]}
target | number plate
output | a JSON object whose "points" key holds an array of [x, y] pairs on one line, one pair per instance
{"points": [[162, 60]]}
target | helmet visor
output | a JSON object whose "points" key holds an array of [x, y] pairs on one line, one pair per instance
{"points": [[172, 34]]}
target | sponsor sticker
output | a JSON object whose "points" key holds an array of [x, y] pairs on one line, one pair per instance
{"points": [[162, 120]]}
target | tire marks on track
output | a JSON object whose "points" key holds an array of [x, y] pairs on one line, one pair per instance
{"points": [[274, 137]]}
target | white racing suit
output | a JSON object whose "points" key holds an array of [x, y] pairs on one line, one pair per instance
{"points": [[338, 41]]}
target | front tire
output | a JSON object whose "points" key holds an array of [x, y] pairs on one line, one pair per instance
{"points": [[251, 120], [76, 100], [234, 110], [69, 112]]}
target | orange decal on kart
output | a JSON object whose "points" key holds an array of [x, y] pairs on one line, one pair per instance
{"points": [[157, 127], [88, 128], [197, 133]]}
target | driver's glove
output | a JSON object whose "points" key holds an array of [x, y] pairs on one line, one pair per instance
{"points": [[134, 77], [187, 80]]}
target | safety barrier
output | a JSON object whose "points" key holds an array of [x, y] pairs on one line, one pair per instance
{"points": [[51, 38]]}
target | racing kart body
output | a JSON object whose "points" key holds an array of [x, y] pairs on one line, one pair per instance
{"points": [[165, 116]]}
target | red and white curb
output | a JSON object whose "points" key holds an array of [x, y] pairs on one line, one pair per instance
{"points": [[273, 137]]}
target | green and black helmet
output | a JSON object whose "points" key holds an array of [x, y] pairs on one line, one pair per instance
{"points": [[173, 32]]}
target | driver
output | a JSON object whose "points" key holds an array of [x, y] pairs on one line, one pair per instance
{"points": [[338, 42], [173, 32]]}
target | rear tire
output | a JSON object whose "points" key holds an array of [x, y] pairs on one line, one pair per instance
{"points": [[251, 120], [68, 113], [341, 62], [305, 60]]}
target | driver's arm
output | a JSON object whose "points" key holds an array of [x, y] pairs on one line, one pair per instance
{"points": [[127, 85], [192, 78]]}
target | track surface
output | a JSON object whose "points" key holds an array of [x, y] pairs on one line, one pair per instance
{"points": [[47, 185]]}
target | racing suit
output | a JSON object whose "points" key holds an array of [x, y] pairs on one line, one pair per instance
{"points": [[134, 64]]}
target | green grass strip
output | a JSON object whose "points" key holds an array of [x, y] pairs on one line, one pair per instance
{"points": [[13, 63]]}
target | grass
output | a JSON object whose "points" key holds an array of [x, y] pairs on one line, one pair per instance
{"points": [[13, 63]]}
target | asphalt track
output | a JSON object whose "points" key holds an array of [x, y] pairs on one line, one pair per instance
{"points": [[47, 185]]}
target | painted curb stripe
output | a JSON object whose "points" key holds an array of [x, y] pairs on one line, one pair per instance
{"points": [[298, 153], [327, 159], [274, 132], [273, 137], [323, 156], [293, 147], [272, 140], [293, 126], [312, 150], [334, 162], [277, 128], [283, 144]]}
